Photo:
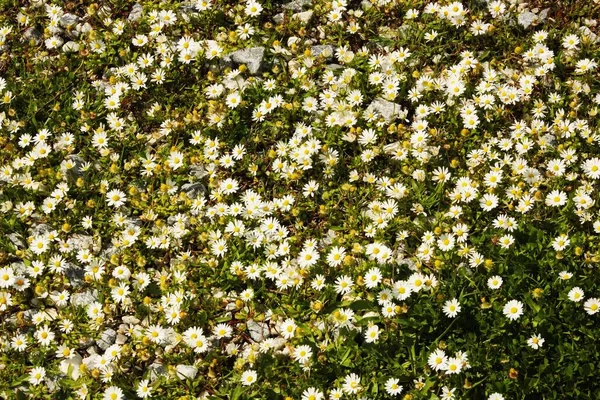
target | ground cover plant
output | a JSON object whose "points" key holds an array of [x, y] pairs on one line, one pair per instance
{"points": [[309, 200]]}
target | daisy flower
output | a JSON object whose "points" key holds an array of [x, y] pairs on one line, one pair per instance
{"points": [[116, 198], [249, 377], [591, 306], [451, 308], [513, 310], [576, 294], [535, 341]]}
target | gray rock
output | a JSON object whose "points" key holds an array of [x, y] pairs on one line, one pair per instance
{"points": [[193, 190], [386, 109], [105, 12], [78, 164], [198, 171], [121, 339], [527, 18], [79, 241], [136, 13], [303, 17], [32, 34], [68, 19], [259, 331], [107, 338], [186, 371], [130, 319], [324, 50], [70, 47], [17, 240], [333, 67], [85, 298], [85, 28], [297, 5], [252, 57], [76, 275], [40, 229], [543, 14], [157, 370]]}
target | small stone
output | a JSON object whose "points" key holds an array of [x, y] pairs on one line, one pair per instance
{"points": [[386, 109], [70, 367], [543, 14], [131, 320], [107, 338], [333, 67], [259, 331], [303, 16], [17, 240], [70, 47], [85, 28], [78, 163], [157, 370], [193, 189], [526, 18], [136, 13], [79, 241], [76, 275], [32, 34], [84, 299], [322, 50], [68, 19], [40, 229], [252, 57], [186, 371], [297, 5], [121, 339]]}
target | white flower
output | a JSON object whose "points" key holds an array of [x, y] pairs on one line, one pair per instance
{"points": [[351, 384], [113, 393], [494, 282], [253, 8], [37, 375], [591, 306], [175, 160], [513, 310], [576, 294], [488, 202], [536, 341], [392, 387], [372, 334], [556, 198], [143, 389], [249, 377], [288, 328], [7, 277], [312, 394], [343, 284], [495, 396], [453, 366], [451, 308], [233, 100], [372, 278], [44, 336], [116, 198], [437, 360], [561, 242], [591, 168], [302, 353]]}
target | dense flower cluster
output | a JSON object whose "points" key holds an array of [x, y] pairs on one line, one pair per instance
{"points": [[321, 199]]}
